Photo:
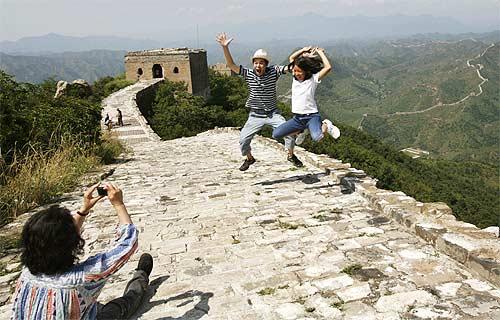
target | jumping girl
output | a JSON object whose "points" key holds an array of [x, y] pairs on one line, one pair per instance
{"points": [[307, 74]]}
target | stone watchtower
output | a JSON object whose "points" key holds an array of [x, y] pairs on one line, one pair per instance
{"points": [[178, 64]]}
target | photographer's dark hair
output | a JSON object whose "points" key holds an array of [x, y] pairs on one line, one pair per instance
{"points": [[50, 242], [309, 65]]}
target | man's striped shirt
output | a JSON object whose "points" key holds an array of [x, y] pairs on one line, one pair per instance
{"points": [[262, 88]]}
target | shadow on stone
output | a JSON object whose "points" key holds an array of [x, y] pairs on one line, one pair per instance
{"points": [[306, 178], [199, 310], [123, 160], [379, 220], [150, 293], [366, 274], [348, 184]]}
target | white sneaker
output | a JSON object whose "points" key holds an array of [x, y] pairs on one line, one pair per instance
{"points": [[301, 137], [332, 130]]}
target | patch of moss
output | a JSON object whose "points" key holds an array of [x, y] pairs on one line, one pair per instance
{"points": [[287, 225], [350, 270], [266, 291]]}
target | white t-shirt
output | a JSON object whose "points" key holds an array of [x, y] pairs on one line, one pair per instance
{"points": [[303, 101]]}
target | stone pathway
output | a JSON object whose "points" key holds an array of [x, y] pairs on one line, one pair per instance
{"points": [[135, 128], [272, 243]]}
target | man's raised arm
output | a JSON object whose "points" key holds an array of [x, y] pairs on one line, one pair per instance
{"points": [[224, 42]]}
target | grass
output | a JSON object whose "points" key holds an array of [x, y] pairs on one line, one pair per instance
{"points": [[339, 305], [40, 176], [109, 148], [322, 217], [235, 239], [266, 291], [287, 225], [350, 270]]}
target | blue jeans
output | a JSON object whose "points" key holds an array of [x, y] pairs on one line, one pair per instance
{"points": [[255, 123], [300, 122]]}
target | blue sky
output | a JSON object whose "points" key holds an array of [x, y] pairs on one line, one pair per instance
{"points": [[151, 18]]}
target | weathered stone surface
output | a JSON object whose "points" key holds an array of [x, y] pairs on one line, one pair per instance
{"points": [[81, 86], [429, 232], [354, 293], [333, 283], [437, 209], [290, 311], [458, 246], [400, 301], [493, 230]]}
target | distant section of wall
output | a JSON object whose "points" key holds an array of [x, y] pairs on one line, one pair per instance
{"points": [[145, 99], [222, 68]]}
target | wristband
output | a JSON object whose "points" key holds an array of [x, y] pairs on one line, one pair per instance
{"points": [[82, 214]]}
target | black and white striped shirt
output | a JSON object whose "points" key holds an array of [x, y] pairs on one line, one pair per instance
{"points": [[262, 88]]}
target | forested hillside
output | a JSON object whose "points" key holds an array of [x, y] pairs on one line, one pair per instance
{"points": [[418, 93]]}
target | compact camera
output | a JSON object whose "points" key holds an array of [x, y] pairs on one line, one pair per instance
{"points": [[101, 191]]}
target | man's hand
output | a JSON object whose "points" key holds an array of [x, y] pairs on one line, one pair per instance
{"points": [[88, 200], [223, 40]]}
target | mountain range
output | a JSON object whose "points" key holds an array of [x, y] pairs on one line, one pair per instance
{"points": [[307, 27]]}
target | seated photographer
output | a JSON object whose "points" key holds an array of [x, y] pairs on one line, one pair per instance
{"points": [[54, 285]]}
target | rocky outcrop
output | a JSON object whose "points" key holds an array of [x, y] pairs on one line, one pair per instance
{"points": [[79, 87]]}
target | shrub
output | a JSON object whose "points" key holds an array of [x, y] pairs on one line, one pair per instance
{"points": [[109, 148]]}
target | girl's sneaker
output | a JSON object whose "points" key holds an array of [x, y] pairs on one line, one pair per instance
{"points": [[301, 137], [332, 130]]}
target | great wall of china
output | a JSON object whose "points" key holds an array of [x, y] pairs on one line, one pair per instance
{"points": [[277, 242]]}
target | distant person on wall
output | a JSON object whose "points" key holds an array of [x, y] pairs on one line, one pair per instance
{"points": [[262, 100], [307, 74], [54, 285], [120, 117], [107, 122]]}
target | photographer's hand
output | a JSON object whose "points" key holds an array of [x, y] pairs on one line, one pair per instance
{"points": [[88, 200], [88, 203], [115, 196]]}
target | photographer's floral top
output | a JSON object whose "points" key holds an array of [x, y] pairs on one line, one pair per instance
{"points": [[73, 294]]}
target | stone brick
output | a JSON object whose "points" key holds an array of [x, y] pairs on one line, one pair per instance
{"points": [[457, 246], [487, 267], [429, 232], [437, 209]]}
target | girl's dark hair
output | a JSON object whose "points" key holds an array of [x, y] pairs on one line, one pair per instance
{"points": [[309, 65], [50, 241]]}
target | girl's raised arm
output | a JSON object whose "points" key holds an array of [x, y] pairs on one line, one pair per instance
{"points": [[297, 53], [326, 63]]}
